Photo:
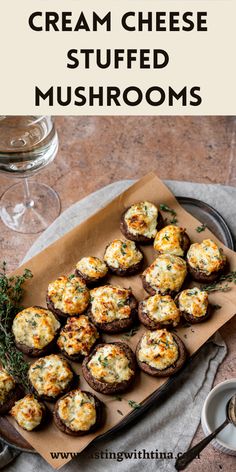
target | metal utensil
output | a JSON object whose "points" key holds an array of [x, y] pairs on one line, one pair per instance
{"points": [[189, 455]]}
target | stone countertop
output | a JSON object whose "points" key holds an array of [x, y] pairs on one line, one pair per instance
{"points": [[95, 151]]}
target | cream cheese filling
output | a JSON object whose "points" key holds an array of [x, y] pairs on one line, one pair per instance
{"points": [[141, 218], [194, 301], [110, 364], [167, 272], [161, 309], [50, 375], [110, 303], [122, 254], [158, 349], [35, 327], [77, 411]]}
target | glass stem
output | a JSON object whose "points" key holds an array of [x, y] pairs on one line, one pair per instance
{"points": [[29, 202]]}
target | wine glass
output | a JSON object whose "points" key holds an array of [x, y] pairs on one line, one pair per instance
{"points": [[27, 144]]}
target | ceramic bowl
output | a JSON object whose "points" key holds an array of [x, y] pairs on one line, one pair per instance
{"points": [[214, 413]]}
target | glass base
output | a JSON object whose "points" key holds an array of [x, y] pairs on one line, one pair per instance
{"points": [[32, 216]]}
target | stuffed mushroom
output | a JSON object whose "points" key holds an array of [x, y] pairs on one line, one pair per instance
{"points": [[29, 413], [206, 261], [159, 311], [51, 377], [193, 304], [123, 257], [110, 368], [160, 353], [78, 413], [92, 270], [172, 240], [112, 309], [10, 391], [77, 337], [67, 296], [141, 221], [35, 330], [165, 275]]}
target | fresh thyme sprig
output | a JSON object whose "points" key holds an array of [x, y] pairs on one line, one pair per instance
{"points": [[11, 292], [222, 284], [173, 213]]}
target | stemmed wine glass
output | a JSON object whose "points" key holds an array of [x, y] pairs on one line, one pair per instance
{"points": [[27, 144]]}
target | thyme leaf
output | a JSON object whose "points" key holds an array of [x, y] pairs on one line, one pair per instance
{"points": [[134, 404], [201, 228]]}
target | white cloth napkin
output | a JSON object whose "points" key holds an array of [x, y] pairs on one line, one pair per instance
{"points": [[167, 429]]}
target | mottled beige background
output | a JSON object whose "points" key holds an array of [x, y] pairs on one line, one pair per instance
{"points": [[197, 58]]}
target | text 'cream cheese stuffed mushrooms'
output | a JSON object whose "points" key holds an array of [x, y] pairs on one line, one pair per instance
{"points": [[77, 337], [29, 413], [92, 270], [193, 304], [50, 377], [160, 353], [10, 392], [78, 413], [67, 296], [172, 240], [159, 311], [123, 257], [35, 330], [110, 368], [165, 275], [141, 221], [206, 261], [112, 309]]}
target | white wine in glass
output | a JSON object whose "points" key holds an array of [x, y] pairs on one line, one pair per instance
{"points": [[27, 144]]}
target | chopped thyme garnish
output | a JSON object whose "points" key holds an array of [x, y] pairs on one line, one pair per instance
{"points": [[216, 307], [11, 292], [166, 237], [201, 228], [104, 362], [131, 333], [133, 404], [71, 276], [122, 303], [118, 397], [120, 412], [192, 292]]}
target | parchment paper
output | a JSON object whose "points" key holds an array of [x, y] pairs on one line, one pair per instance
{"points": [[90, 238]]}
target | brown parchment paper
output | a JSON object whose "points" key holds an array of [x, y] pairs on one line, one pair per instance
{"points": [[90, 238]]}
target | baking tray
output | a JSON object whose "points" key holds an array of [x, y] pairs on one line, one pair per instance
{"points": [[207, 215], [210, 217]]}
